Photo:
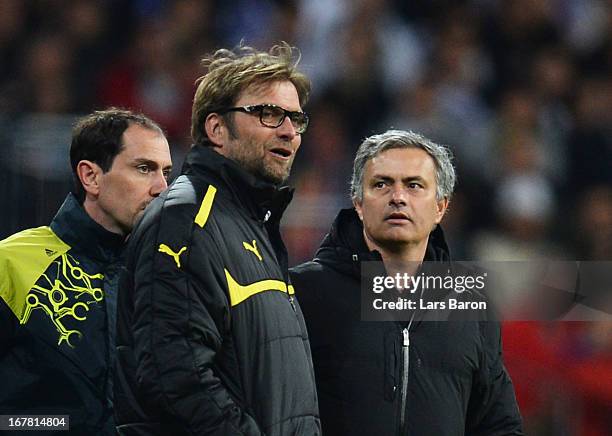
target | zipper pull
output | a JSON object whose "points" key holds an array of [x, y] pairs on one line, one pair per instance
{"points": [[406, 338], [292, 303]]}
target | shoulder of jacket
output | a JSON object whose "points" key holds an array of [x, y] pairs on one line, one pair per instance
{"points": [[312, 274], [316, 269], [24, 257], [30, 244], [186, 200], [171, 221], [306, 268], [26, 236], [192, 196]]}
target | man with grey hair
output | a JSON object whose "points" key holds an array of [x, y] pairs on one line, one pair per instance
{"points": [[398, 377]]}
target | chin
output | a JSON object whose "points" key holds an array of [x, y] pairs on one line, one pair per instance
{"points": [[275, 178], [400, 238], [277, 172], [399, 234]]}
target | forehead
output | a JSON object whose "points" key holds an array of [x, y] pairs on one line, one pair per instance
{"points": [[143, 143], [400, 163], [282, 93]]}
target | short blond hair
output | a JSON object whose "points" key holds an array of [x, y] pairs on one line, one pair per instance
{"points": [[229, 72]]}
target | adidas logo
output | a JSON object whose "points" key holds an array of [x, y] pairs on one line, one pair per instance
{"points": [[50, 253]]}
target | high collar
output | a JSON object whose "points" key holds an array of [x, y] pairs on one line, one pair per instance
{"points": [[263, 200], [76, 228], [344, 247]]}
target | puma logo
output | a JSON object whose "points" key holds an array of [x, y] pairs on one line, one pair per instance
{"points": [[253, 249], [163, 248]]}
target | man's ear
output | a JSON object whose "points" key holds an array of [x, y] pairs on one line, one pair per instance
{"points": [[441, 207], [358, 208], [216, 130], [89, 174]]}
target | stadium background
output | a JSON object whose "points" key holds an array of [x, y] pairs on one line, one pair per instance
{"points": [[520, 90]]}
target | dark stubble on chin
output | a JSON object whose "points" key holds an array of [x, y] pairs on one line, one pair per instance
{"points": [[259, 170], [247, 157]]}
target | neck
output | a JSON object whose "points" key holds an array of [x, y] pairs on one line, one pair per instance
{"points": [[404, 258], [99, 216]]}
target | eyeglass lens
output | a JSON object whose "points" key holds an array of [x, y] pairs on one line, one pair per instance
{"points": [[274, 116]]}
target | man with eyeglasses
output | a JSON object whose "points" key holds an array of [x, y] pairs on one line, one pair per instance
{"points": [[210, 337]]}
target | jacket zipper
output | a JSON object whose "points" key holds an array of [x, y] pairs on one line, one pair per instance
{"points": [[286, 275], [405, 367], [292, 301]]}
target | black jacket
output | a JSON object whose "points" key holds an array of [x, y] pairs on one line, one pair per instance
{"points": [[210, 337], [57, 316], [456, 382]]}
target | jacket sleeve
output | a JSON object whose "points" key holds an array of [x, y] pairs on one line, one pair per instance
{"points": [[180, 314], [492, 409]]}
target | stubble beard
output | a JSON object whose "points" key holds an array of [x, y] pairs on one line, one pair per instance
{"points": [[253, 160]]}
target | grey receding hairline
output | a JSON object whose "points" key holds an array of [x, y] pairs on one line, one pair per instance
{"points": [[376, 144]]}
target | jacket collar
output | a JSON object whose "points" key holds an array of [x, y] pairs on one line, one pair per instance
{"points": [[344, 247], [76, 228], [263, 200]]}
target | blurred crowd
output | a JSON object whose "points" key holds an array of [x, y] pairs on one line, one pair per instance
{"points": [[520, 90]]}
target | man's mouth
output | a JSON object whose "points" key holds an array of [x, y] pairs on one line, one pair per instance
{"points": [[281, 152], [397, 217]]}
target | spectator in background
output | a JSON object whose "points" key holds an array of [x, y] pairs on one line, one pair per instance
{"points": [[47, 67], [593, 240], [524, 204], [320, 184], [58, 284], [12, 39], [590, 141]]}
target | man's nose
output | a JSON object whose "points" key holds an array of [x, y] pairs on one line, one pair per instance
{"points": [[398, 196], [286, 131], [160, 184]]}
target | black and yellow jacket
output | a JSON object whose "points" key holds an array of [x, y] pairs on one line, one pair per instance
{"points": [[57, 315], [210, 338]]}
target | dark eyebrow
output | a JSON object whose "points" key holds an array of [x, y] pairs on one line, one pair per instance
{"points": [[414, 179], [382, 178], [408, 179], [149, 162]]}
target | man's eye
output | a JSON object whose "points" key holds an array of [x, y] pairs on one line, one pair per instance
{"points": [[271, 113], [167, 174], [379, 185], [143, 169], [414, 185]]}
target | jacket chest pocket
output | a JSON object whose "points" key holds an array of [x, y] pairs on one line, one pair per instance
{"points": [[447, 346]]}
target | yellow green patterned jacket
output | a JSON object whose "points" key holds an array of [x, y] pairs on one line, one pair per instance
{"points": [[58, 287]]}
